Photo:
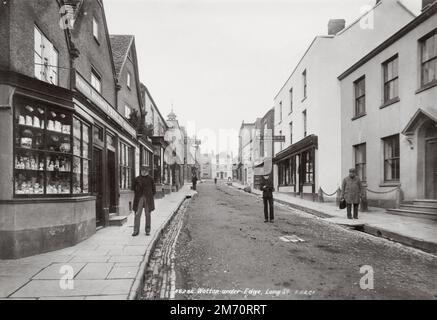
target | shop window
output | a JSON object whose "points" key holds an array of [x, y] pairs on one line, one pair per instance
{"points": [[46, 58], [45, 161], [391, 158], [360, 161], [391, 79], [126, 166], [360, 97], [428, 47], [308, 167]]}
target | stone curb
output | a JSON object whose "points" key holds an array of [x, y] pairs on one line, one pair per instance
{"points": [[140, 277], [420, 244]]}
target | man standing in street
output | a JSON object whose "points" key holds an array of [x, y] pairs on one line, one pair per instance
{"points": [[145, 191], [351, 192], [267, 189], [194, 181]]}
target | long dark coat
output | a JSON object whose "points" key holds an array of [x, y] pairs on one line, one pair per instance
{"points": [[266, 187], [352, 190], [144, 186]]}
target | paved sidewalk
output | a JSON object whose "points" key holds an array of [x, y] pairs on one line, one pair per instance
{"points": [[415, 232], [109, 265]]}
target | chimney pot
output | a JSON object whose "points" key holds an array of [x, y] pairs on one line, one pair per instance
{"points": [[335, 26]]}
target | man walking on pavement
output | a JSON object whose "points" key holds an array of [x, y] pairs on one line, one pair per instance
{"points": [[351, 192], [145, 191], [267, 189]]}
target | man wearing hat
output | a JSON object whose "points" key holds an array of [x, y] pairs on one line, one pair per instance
{"points": [[351, 192], [145, 191]]}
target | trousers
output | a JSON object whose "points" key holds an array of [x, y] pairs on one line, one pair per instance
{"points": [[349, 210], [268, 204], [142, 204]]}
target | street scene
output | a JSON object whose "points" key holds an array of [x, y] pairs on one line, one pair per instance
{"points": [[202, 150]]}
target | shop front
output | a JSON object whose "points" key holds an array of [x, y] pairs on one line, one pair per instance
{"points": [[46, 198], [296, 168]]}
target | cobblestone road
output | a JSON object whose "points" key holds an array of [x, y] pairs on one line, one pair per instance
{"points": [[160, 273], [226, 251]]}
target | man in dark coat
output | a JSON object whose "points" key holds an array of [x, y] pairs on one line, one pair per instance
{"points": [[267, 189], [351, 192], [194, 181], [145, 191]]}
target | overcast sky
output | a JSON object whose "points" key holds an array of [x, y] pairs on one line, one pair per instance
{"points": [[220, 62]]}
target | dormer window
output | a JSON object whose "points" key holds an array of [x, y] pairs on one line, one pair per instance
{"points": [[95, 29], [96, 81], [128, 80]]}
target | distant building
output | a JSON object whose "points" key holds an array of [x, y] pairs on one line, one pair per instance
{"points": [[206, 166], [222, 166], [389, 115], [245, 153]]}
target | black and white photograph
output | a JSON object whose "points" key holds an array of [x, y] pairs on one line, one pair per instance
{"points": [[189, 151]]}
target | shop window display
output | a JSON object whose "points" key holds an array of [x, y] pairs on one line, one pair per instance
{"points": [[43, 153]]}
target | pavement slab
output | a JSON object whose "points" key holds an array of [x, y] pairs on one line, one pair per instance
{"points": [[108, 265]]}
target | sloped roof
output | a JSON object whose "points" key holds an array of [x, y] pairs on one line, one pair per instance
{"points": [[120, 45]]}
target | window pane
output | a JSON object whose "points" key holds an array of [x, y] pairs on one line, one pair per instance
{"points": [[86, 166]]}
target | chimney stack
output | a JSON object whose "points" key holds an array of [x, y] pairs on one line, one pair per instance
{"points": [[335, 26], [426, 4]]}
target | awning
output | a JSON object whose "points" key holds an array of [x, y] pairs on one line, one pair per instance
{"points": [[298, 147]]}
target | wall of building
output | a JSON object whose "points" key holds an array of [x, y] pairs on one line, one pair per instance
{"points": [[28, 228], [379, 123], [128, 96], [94, 54], [4, 35], [23, 17], [323, 66]]}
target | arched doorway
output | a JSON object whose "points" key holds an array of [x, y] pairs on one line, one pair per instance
{"points": [[431, 160]]}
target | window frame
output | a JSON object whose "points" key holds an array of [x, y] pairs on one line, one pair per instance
{"points": [[129, 80], [96, 30], [392, 159], [361, 167], [47, 53], [305, 84], [126, 166], [305, 123], [95, 74], [290, 92], [387, 81], [359, 98], [422, 43]]}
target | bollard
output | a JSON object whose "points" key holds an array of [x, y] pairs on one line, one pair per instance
{"points": [[337, 200], [364, 204], [320, 195]]}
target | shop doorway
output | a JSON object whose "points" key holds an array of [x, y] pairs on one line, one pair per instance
{"points": [[98, 187], [431, 163], [112, 191]]}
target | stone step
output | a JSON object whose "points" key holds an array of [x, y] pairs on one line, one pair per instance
{"points": [[425, 202], [413, 207], [413, 214], [117, 221]]}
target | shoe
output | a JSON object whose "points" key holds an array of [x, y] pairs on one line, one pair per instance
{"points": [[135, 234], [265, 221], [272, 221], [356, 218], [147, 233], [350, 218]]}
